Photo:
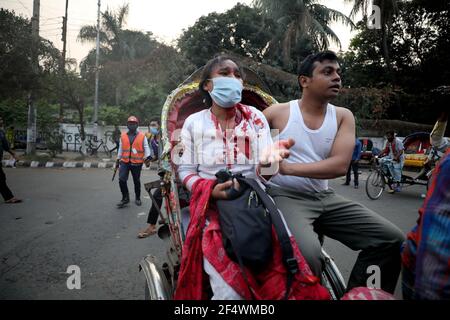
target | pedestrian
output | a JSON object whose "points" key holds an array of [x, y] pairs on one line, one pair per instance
{"points": [[133, 152], [354, 164], [392, 159], [116, 138], [324, 140], [154, 139], [4, 146]]}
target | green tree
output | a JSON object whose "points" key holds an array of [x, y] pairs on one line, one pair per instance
{"points": [[16, 73], [74, 91], [242, 30], [300, 20], [146, 101], [117, 46], [388, 9], [419, 42]]}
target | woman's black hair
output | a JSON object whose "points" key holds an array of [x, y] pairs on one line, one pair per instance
{"points": [[206, 75]]}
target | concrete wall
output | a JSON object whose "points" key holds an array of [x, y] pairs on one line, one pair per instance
{"points": [[72, 141]]}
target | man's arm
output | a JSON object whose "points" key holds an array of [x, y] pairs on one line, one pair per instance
{"points": [[147, 152], [437, 139], [385, 150], [277, 116], [337, 163]]}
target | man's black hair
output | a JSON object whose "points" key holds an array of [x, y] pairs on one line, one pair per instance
{"points": [[306, 68], [154, 120]]}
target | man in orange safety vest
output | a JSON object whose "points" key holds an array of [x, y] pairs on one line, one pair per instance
{"points": [[133, 152]]}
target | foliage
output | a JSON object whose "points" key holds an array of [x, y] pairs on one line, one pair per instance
{"points": [[129, 59], [304, 21], [388, 9], [420, 40], [14, 112], [16, 72], [114, 115], [242, 30], [366, 103], [146, 101]]}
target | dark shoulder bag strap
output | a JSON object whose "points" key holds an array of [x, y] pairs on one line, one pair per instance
{"points": [[286, 247]]}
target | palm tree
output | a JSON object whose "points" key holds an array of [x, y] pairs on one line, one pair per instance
{"points": [[300, 20], [388, 9], [116, 43], [111, 31]]}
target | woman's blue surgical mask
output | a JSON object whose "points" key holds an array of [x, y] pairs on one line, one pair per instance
{"points": [[227, 91], [154, 130]]}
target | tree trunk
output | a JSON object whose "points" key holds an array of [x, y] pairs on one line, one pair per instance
{"points": [[385, 31], [80, 108]]}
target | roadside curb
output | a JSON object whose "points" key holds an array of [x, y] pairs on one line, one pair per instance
{"points": [[66, 164]]}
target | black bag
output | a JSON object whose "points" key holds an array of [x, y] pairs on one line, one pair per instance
{"points": [[246, 229], [246, 220]]}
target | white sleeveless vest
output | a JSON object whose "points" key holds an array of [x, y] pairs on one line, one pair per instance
{"points": [[310, 146]]}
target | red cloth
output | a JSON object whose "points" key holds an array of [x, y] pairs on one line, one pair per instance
{"points": [[269, 284], [364, 293]]}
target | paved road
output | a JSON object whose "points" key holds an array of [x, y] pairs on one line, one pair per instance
{"points": [[69, 218]]}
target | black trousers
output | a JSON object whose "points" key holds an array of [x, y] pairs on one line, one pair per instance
{"points": [[355, 166], [124, 170], [4, 190], [153, 213]]}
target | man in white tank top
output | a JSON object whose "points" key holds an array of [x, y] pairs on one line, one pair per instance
{"points": [[324, 141]]}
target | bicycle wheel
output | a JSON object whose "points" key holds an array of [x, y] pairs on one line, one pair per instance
{"points": [[107, 151], [375, 184], [332, 278]]}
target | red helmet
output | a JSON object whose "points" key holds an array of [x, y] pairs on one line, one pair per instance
{"points": [[133, 119]]}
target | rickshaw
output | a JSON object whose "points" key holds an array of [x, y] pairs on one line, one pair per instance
{"points": [[419, 155], [161, 276]]}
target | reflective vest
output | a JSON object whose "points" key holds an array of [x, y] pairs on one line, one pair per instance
{"points": [[135, 153]]}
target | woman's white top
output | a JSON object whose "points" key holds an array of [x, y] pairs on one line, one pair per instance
{"points": [[206, 150]]}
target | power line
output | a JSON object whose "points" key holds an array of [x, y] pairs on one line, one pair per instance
{"points": [[26, 8], [49, 24], [90, 20], [51, 18]]}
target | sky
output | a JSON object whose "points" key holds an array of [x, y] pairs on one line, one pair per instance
{"points": [[166, 19]]}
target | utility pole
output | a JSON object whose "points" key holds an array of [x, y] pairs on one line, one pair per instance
{"points": [[63, 63], [31, 126], [96, 75]]}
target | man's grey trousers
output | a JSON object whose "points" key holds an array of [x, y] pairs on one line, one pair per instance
{"points": [[349, 222]]}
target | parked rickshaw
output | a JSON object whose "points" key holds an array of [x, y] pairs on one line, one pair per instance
{"points": [[161, 276], [417, 147]]}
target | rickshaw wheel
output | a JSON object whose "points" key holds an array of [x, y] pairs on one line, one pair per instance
{"points": [[332, 278], [375, 184]]}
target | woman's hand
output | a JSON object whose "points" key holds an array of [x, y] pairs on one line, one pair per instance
{"points": [[273, 155], [220, 190]]}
